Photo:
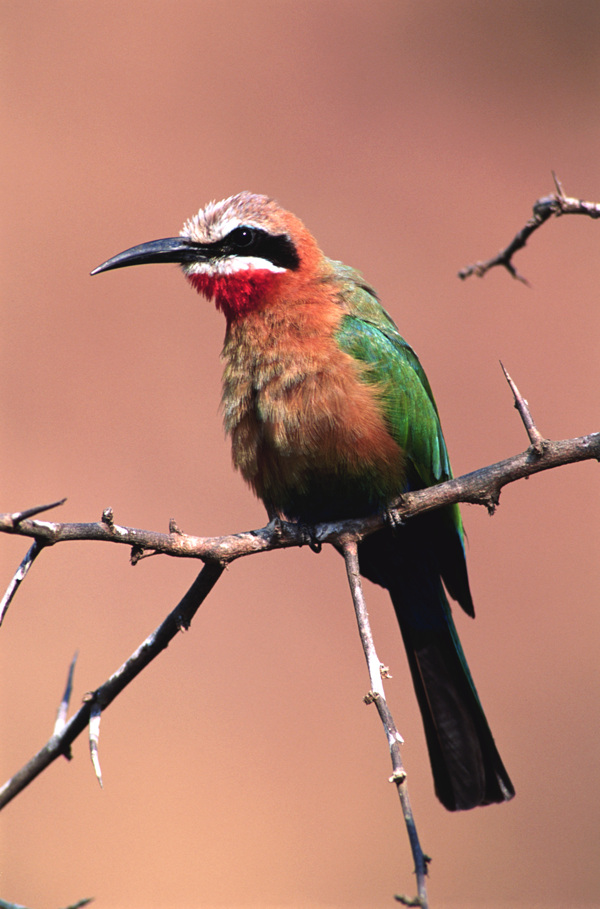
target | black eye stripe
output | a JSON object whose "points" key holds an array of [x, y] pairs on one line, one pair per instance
{"points": [[245, 240]]}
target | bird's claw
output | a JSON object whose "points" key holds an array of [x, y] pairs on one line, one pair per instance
{"points": [[275, 525], [392, 518], [309, 537]]}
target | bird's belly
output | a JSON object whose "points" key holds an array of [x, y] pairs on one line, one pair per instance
{"points": [[315, 447]]}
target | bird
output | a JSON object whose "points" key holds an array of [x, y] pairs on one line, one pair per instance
{"points": [[331, 417]]}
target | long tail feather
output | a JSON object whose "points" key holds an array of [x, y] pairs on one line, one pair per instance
{"points": [[465, 762]]}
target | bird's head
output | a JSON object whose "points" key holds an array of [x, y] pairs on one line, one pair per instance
{"points": [[242, 252]]}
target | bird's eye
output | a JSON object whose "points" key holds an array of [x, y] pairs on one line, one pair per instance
{"points": [[242, 237]]}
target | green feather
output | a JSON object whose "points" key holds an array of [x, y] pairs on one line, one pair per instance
{"points": [[369, 335]]}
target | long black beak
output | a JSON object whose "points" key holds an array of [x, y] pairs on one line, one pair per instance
{"points": [[173, 249]]}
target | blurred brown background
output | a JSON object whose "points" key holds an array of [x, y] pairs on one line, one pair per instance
{"points": [[242, 769]]}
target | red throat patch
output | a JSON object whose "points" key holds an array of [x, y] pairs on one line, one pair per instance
{"points": [[236, 294]]}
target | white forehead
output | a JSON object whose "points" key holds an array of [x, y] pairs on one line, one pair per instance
{"points": [[217, 219]]}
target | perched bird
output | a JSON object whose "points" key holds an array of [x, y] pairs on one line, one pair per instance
{"points": [[331, 416]]}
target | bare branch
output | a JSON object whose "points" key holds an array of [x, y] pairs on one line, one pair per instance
{"points": [[554, 205], [481, 487], [16, 517], [100, 699], [377, 696]]}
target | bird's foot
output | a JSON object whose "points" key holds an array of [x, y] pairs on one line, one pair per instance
{"points": [[275, 524], [309, 536], [391, 517]]}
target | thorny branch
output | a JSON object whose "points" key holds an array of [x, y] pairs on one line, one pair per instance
{"points": [[479, 487], [88, 714], [545, 208], [377, 672]]}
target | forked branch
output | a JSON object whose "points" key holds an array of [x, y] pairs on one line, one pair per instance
{"points": [[545, 208], [480, 487]]}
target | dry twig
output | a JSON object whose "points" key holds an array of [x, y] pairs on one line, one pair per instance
{"points": [[480, 487], [376, 696], [59, 744], [554, 205]]}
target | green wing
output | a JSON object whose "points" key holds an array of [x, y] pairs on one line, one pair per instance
{"points": [[368, 334]]}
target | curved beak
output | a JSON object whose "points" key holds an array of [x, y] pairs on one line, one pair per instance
{"points": [[173, 249]]}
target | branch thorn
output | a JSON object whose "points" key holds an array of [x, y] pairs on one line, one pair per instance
{"points": [[94, 733], [19, 516], [559, 189], [399, 776], [535, 437], [409, 900], [33, 551], [137, 553], [174, 527], [63, 707]]}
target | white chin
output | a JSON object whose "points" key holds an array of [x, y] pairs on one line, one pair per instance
{"points": [[231, 266]]}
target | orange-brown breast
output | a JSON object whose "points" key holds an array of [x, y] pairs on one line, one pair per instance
{"points": [[304, 425]]}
